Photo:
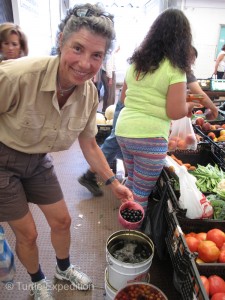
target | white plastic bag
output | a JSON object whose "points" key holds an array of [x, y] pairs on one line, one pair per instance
{"points": [[182, 136], [191, 198], [7, 264]]}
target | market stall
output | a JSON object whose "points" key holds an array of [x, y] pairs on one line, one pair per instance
{"points": [[188, 266]]}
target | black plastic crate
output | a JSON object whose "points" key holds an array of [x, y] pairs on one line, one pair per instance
{"points": [[217, 148], [217, 124], [202, 156], [188, 225], [103, 132], [195, 109], [186, 270], [211, 269], [195, 225], [186, 276]]}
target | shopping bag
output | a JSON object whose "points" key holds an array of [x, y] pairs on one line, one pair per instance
{"points": [[182, 136], [154, 224], [191, 198], [7, 264]]}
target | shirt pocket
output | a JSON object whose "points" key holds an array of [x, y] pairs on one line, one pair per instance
{"points": [[32, 126], [74, 127], [76, 124]]}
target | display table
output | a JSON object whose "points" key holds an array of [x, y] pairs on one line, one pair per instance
{"points": [[215, 95]]}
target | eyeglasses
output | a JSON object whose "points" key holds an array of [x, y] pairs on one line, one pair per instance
{"points": [[87, 12]]}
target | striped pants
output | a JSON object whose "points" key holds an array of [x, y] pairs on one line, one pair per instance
{"points": [[144, 160]]}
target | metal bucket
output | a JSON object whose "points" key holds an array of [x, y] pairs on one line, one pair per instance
{"points": [[110, 292], [140, 290], [121, 273]]}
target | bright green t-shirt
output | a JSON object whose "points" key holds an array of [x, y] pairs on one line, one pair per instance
{"points": [[144, 114]]}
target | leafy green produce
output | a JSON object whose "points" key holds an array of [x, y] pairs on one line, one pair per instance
{"points": [[208, 177], [218, 206], [220, 190]]}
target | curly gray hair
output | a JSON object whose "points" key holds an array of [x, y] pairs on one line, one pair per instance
{"points": [[92, 17]]}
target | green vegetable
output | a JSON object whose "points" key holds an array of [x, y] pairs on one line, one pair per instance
{"points": [[220, 189], [218, 207], [208, 177]]}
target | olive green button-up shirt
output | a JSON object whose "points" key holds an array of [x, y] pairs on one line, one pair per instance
{"points": [[30, 118]]}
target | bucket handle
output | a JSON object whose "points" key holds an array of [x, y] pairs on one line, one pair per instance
{"points": [[109, 262]]}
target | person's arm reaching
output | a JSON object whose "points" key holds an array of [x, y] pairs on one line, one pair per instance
{"points": [[97, 161], [206, 102], [176, 105]]}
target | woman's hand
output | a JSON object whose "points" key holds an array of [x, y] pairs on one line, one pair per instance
{"points": [[211, 114], [121, 192], [190, 106]]}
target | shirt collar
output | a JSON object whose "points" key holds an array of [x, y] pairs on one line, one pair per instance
{"points": [[49, 81]]}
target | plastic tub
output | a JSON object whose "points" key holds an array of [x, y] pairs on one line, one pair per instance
{"points": [[136, 207]]}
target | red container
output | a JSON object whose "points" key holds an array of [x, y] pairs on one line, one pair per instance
{"points": [[130, 205]]}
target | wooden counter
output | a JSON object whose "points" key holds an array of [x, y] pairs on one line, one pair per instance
{"points": [[215, 94]]}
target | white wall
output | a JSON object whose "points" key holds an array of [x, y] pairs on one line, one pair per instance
{"points": [[37, 19], [205, 18]]}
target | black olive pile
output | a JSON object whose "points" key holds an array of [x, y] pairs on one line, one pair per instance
{"points": [[132, 215]]}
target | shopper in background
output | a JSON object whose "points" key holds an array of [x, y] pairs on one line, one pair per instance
{"points": [[111, 150], [13, 41], [195, 88], [46, 104], [154, 93], [108, 77], [220, 64]]}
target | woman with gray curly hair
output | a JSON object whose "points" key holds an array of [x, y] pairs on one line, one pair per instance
{"points": [[47, 103], [13, 41]]}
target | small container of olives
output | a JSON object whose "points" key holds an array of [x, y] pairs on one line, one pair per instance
{"points": [[131, 215]]}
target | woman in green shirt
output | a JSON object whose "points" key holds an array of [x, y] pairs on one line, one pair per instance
{"points": [[154, 92]]}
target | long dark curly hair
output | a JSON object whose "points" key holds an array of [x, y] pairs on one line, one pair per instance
{"points": [[169, 37]]}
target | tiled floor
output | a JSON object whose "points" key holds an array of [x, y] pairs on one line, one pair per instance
{"points": [[93, 221]]}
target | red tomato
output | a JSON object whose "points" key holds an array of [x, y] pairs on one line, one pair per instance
{"points": [[216, 285], [223, 247], [191, 234], [218, 296], [199, 112], [208, 251], [199, 261], [192, 243], [201, 236], [217, 236], [199, 121], [221, 258], [205, 282]]}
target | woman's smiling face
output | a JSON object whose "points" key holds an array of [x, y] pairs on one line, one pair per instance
{"points": [[81, 57]]}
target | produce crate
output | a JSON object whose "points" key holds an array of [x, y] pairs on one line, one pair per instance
{"points": [[193, 225], [204, 84], [217, 85], [186, 272], [217, 148], [186, 276], [202, 156], [188, 225], [103, 132]]}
